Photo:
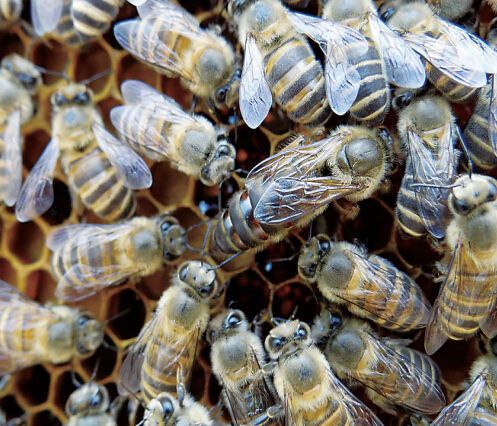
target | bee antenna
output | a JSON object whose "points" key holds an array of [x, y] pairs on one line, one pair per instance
{"points": [[292, 317], [226, 261], [285, 259], [95, 370], [117, 316], [44, 70], [96, 77], [194, 226], [432, 185], [77, 384], [465, 149], [109, 346], [180, 387]]}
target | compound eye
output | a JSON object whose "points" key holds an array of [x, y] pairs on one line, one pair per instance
{"points": [[183, 273], [324, 247], [234, 319], [59, 99], [96, 400], [167, 408], [223, 151], [206, 290], [492, 193], [460, 207], [221, 95], [385, 16], [275, 344], [301, 333], [205, 174], [335, 321], [83, 319], [82, 98]]}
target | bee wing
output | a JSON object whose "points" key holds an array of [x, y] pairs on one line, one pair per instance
{"points": [[255, 95], [445, 57], [290, 199], [472, 50], [403, 65], [342, 78], [492, 116], [457, 307], [359, 414], [435, 169], [36, 194], [12, 155], [461, 410], [129, 166], [382, 289], [395, 377], [489, 324], [128, 32], [63, 234], [45, 17], [172, 11]]}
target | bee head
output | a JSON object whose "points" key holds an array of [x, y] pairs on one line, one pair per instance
{"points": [[326, 324], [220, 166], [72, 95], [311, 257], [90, 398], [229, 322], [339, 10], [161, 410], [226, 96], [89, 334], [200, 277], [288, 338], [23, 71], [469, 193], [173, 237]]}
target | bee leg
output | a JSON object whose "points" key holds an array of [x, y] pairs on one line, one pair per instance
{"points": [[266, 370], [194, 103], [273, 412]]}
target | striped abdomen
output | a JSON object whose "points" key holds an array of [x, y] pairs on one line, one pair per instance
{"points": [[407, 212], [331, 414], [452, 90], [94, 180], [10, 11], [461, 314], [483, 416], [76, 252], [139, 136], [373, 100], [92, 18], [399, 308], [419, 390], [163, 355], [476, 133], [65, 27], [297, 82]]}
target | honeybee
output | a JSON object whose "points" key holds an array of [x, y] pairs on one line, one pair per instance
{"points": [[156, 126], [169, 340], [237, 355], [481, 130], [428, 131], [388, 59], [311, 395], [169, 410], [10, 12], [19, 82], [392, 374], [170, 39], [76, 21], [450, 9], [466, 301], [457, 61], [32, 333], [101, 171], [107, 255], [295, 185], [279, 62], [369, 286], [477, 404], [89, 405]]}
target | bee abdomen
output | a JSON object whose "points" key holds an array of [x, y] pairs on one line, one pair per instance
{"points": [[12, 341], [452, 90], [237, 230], [373, 99], [477, 137], [461, 314], [94, 179], [10, 11], [65, 27], [93, 17], [406, 212], [297, 82]]}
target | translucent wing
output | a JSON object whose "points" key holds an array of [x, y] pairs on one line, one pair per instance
{"points": [[382, 289], [434, 167], [45, 17], [359, 413], [83, 281], [21, 316], [342, 78], [12, 159], [403, 65], [140, 38], [255, 96], [137, 2], [454, 304], [36, 194], [492, 116], [167, 8], [129, 166], [489, 324], [63, 234], [473, 51], [461, 410], [135, 91], [398, 379], [445, 58], [290, 199]]}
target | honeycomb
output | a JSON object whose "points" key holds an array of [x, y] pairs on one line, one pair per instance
{"points": [[254, 282]]}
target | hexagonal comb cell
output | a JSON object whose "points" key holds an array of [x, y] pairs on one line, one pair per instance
{"points": [[126, 314], [26, 241], [44, 418], [29, 394]]}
